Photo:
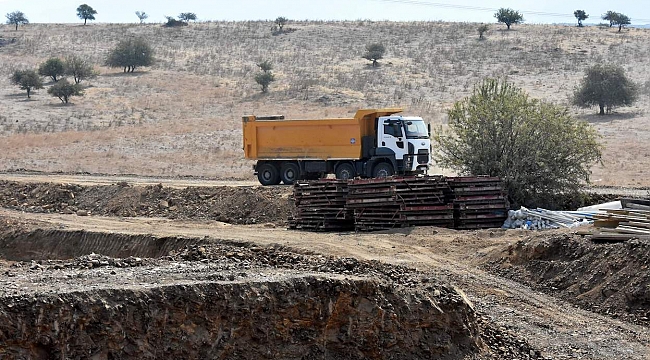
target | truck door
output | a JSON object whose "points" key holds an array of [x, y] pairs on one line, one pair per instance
{"points": [[392, 137]]}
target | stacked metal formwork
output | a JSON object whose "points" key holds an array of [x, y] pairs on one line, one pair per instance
{"points": [[400, 202], [321, 206], [479, 202]]}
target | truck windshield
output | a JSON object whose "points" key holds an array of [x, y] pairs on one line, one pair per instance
{"points": [[416, 129]]}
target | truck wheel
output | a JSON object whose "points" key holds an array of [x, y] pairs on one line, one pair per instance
{"points": [[383, 170], [345, 171], [268, 174], [289, 173]]}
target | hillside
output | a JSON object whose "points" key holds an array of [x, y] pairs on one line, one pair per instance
{"points": [[182, 116]]}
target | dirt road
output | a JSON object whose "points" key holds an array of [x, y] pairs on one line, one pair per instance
{"points": [[107, 179], [554, 326]]}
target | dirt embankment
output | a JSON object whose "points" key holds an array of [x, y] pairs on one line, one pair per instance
{"points": [[608, 278], [236, 205], [228, 300]]}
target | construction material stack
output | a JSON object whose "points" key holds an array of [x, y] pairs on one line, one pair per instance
{"points": [[387, 203], [320, 206], [630, 222], [479, 202]]}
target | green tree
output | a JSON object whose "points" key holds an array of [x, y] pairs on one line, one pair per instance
{"points": [[187, 16], [281, 21], [17, 18], [482, 29], [85, 12], [130, 54], [78, 68], [605, 86], [374, 52], [64, 90], [508, 17], [581, 15], [621, 20], [142, 16], [53, 67], [27, 80], [610, 16], [266, 77], [536, 147]]}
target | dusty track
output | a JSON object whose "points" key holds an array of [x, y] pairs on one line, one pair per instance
{"points": [[106, 179], [559, 329]]}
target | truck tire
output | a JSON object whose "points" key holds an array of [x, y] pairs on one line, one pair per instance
{"points": [[345, 171], [268, 174], [383, 170], [289, 173]]}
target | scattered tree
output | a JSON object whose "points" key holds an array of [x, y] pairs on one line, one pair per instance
{"points": [[581, 15], [605, 86], [508, 17], [186, 17], [53, 67], [482, 29], [610, 16], [374, 52], [27, 80], [281, 21], [64, 90], [536, 147], [130, 54], [266, 77], [17, 18], [142, 16], [85, 12], [171, 22], [78, 68], [621, 20]]}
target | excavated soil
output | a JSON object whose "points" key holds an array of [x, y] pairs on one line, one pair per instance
{"points": [[194, 298], [235, 205], [608, 278]]}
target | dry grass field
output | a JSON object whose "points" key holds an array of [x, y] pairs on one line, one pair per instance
{"points": [[182, 116]]}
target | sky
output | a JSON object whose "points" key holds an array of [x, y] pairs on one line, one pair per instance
{"points": [[123, 11]]}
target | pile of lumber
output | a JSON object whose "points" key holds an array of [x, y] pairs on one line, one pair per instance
{"points": [[479, 202], [387, 203], [320, 206], [630, 222]]}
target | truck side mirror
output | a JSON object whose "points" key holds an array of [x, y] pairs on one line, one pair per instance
{"points": [[429, 128]]}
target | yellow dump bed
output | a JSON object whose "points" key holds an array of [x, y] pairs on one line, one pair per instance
{"points": [[321, 139]]}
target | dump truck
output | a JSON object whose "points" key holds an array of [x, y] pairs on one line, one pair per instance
{"points": [[374, 143]]}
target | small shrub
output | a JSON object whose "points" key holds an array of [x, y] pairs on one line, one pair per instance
{"points": [[171, 22], [482, 29], [64, 90], [374, 53]]}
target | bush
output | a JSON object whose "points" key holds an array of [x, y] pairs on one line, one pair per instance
{"points": [[281, 21], [538, 149], [53, 67], [27, 80], [374, 52], [605, 86], [171, 22], [78, 68], [266, 77], [130, 54], [482, 29], [64, 90]]}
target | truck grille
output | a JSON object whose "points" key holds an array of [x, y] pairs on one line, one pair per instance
{"points": [[423, 156]]}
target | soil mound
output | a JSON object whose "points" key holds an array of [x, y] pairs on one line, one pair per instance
{"points": [[609, 278], [235, 205]]}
